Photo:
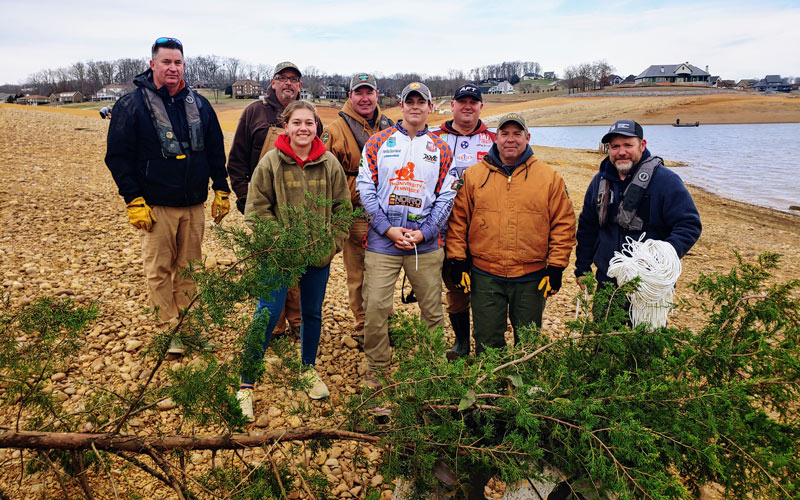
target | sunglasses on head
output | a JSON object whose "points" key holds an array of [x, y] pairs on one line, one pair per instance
{"points": [[163, 40]]}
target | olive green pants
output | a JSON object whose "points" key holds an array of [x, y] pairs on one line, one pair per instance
{"points": [[494, 301]]}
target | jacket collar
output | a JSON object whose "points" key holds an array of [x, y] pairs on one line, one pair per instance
{"points": [[493, 157], [448, 127], [399, 126], [317, 150]]}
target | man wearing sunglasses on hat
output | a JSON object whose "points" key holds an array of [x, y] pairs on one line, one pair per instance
{"points": [[259, 126], [164, 143]]}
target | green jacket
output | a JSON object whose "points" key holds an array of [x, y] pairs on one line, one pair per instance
{"points": [[279, 181]]}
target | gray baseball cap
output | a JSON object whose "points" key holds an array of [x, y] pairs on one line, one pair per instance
{"points": [[419, 88], [286, 65], [624, 127], [363, 80], [512, 118]]}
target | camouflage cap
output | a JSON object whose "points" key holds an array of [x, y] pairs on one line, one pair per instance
{"points": [[419, 88], [286, 65], [512, 118], [363, 79]]}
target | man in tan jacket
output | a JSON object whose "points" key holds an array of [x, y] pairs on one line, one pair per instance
{"points": [[345, 138], [514, 220]]}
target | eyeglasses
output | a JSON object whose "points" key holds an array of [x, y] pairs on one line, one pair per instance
{"points": [[283, 78], [163, 40]]}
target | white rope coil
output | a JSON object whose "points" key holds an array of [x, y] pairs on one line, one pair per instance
{"points": [[657, 265]]}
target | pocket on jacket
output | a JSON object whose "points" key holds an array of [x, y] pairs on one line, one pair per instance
{"points": [[485, 224], [533, 235]]}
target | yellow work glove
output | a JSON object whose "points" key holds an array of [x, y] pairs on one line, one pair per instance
{"points": [[551, 283], [141, 215], [221, 205]]}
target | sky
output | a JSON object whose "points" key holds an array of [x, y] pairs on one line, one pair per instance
{"points": [[735, 39]]}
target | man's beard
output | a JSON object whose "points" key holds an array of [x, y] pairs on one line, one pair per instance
{"points": [[624, 166]]}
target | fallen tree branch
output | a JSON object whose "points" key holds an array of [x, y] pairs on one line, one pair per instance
{"points": [[139, 444]]}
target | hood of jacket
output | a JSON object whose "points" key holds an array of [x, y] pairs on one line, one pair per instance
{"points": [[317, 149], [448, 127], [609, 171], [493, 159], [145, 80]]}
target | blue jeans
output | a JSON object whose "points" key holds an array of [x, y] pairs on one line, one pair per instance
{"points": [[312, 285]]}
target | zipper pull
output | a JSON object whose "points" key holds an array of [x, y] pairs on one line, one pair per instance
{"points": [[508, 186]]}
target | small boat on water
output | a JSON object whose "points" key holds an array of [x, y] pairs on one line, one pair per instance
{"points": [[679, 124]]}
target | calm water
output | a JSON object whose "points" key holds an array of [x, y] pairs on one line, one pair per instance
{"points": [[751, 163]]}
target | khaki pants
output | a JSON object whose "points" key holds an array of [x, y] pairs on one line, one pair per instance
{"points": [[175, 239], [291, 311], [353, 256], [380, 276]]}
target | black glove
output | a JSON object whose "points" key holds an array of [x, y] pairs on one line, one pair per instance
{"points": [[459, 274], [551, 283], [240, 204]]}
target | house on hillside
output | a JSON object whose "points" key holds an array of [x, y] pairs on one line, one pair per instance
{"points": [[674, 73], [305, 95], [630, 79], [335, 92], [246, 89], [549, 75], [745, 84], [33, 100], [773, 83], [111, 92], [66, 97], [531, 76], [502, 88], [613, 80]]}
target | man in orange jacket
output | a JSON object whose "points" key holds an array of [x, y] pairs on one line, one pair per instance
{"points": [[345, 138], [513, 218]]}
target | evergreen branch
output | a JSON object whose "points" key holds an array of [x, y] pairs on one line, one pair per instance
{"points": [[757, 464]]}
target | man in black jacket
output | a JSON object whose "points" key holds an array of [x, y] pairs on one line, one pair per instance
{"points": [[164, 143]]}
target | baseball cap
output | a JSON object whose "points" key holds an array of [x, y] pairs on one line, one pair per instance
{"points": [[362, 80], [513, 118], [624, 127], [419, 88], [286, 65], [468, 90]]}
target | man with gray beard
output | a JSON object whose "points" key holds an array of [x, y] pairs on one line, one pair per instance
{"points": [[632, 194]]}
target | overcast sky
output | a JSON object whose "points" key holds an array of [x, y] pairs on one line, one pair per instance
{"points": [[736, 39]]}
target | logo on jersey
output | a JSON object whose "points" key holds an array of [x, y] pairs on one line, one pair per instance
{"points": [[404, 180], [405, 173], [407, 201], [430, 147], [390, 142], [464, 144], [464, 157], [480, 155], [485, 139], [429, 158]]}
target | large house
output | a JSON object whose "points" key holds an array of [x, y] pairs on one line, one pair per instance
{"points": [[745, 83], [674, 73], [549, 75], [33, 100], [246, 89], [334, 92], [66, 97], [502, 88], [773, 83], [111, 92]]}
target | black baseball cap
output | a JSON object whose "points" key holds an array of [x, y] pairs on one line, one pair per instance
{"points": [[468, 90], [624, 127]]}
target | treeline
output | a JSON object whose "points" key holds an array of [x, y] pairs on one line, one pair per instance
{"points": [[213, 71], [588, 76]]}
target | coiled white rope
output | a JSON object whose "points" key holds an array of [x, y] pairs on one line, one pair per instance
{"points": [[657, 265]]}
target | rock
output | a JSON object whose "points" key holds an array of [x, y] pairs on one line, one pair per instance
{"points": [[197, 458], [263, 421], [350, 342], [376, 480], [58, 376], [132, 345], [274, 412], [165, 404]]}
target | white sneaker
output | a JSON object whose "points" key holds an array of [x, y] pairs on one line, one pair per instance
{"points": [[318, 389], [245, 399]]}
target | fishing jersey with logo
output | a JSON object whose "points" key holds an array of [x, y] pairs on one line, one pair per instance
{"points": [[467, 149], [406, 182]]}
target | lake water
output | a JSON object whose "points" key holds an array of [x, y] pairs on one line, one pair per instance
{"points": [[754, 163]]}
